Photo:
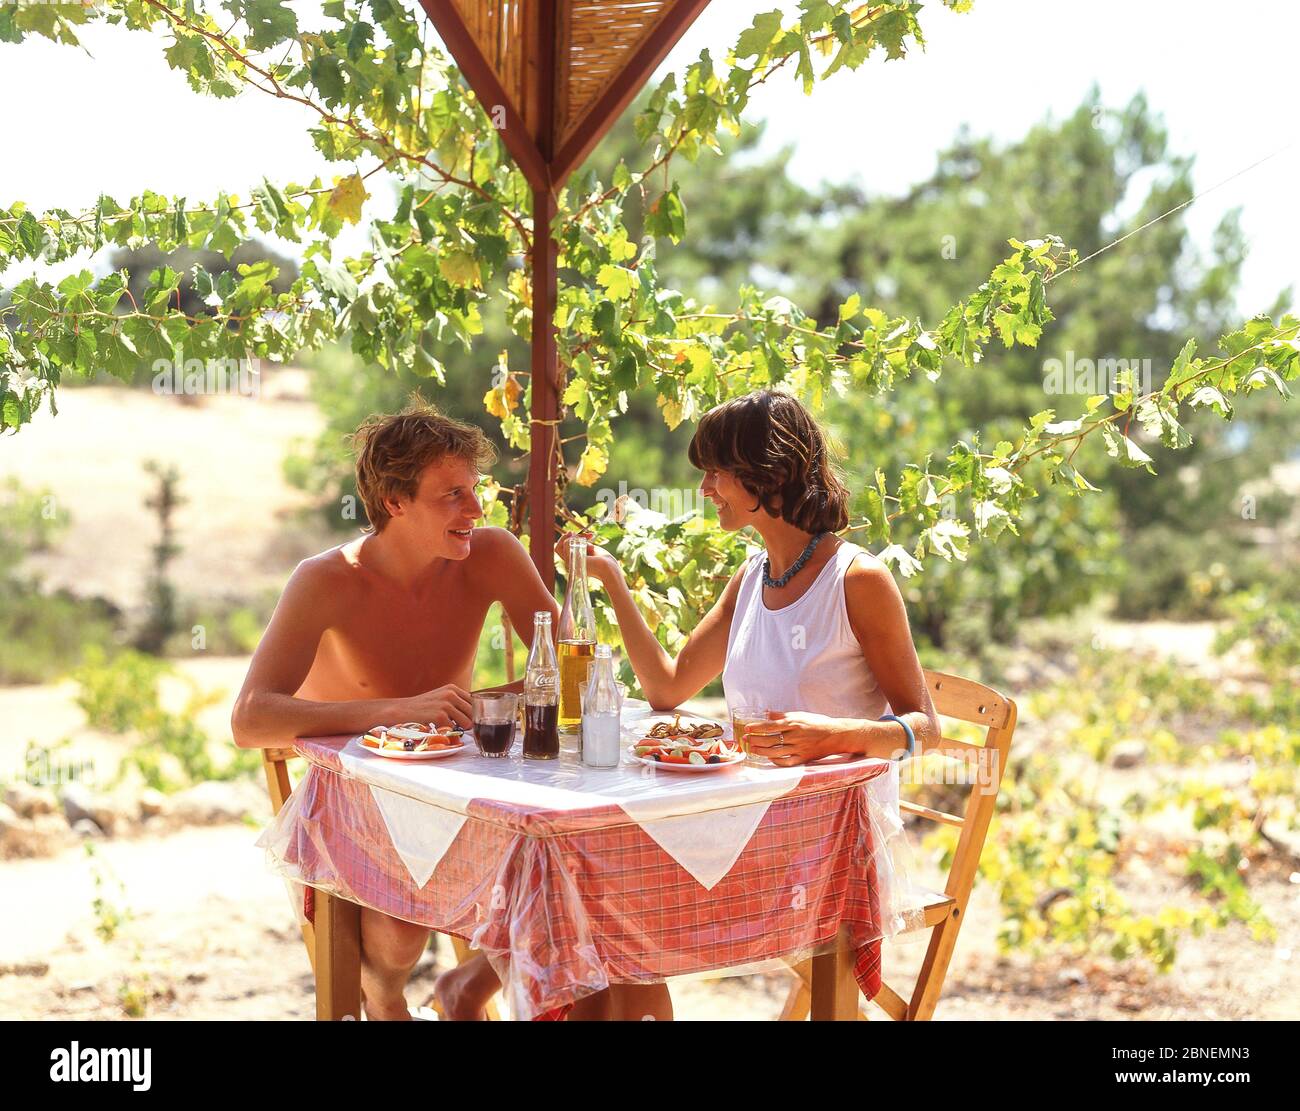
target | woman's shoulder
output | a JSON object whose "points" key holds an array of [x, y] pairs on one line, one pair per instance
{"points": [[867, 578], [858, 561]]}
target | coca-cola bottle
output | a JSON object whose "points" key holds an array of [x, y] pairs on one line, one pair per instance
{"points": [[541, 694]]}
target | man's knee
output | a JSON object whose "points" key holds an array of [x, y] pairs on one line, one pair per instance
{"points": [[391, 943]]}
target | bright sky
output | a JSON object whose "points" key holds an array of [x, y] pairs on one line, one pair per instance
{"points": [[117, 119]]}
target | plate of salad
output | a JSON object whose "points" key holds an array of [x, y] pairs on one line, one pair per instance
{"points": [[412, 740], [697, 745]]}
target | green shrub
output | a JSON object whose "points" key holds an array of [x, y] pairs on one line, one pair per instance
{"points": [[29, 521], [1057, 850], [120, 694], [117, 692], [1269, 619], [41, 634], [1184, 576], [219, 628]]}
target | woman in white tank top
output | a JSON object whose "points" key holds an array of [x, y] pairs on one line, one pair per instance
{"points": [[814, 627]]}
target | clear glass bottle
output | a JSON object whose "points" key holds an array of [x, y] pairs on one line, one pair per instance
{"points": [[577, 637], [602, 711], [541, 694]]}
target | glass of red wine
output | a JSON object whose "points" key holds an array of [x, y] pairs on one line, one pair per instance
{"points": [[495, 714]]}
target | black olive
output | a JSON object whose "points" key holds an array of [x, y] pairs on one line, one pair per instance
{"points": [[657, 757], [409, 745], [715, 760]]}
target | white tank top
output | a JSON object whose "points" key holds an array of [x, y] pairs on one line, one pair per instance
{"points": [[805, 656]]}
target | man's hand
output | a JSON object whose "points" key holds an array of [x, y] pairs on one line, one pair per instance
{"points": [[444, 706], [798, 738]]}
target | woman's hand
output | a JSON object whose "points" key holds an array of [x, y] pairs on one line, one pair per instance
{"points": [[798, 737], [601, 566]]}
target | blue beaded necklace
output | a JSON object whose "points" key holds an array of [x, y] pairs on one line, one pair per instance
{"points": [[804, 556]]}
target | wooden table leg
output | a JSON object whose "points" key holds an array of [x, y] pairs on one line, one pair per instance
{"points": [[338, 958], [834, 987]]}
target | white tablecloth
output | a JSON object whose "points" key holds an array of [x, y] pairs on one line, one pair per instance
{"points": [[702, 820]]}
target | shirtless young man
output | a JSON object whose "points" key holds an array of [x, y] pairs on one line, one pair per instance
{"points": [[384, 629]]}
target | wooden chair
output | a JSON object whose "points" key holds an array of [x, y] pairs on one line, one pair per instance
{"points": [[972, 702], [337, 922]]}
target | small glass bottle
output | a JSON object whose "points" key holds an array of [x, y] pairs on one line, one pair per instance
{"points": [[541, 694], [602, 709], [577, 636]]}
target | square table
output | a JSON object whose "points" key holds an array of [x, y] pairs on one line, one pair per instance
{"points": [[570, 879]]}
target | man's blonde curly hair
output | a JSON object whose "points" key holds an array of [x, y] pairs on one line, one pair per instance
{"points": [[392, 450]]}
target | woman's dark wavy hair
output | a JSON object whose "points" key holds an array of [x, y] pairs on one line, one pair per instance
{"points": [[777, 451]]}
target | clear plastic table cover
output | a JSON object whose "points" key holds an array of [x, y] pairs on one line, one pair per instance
{"points": [[570, 879]]}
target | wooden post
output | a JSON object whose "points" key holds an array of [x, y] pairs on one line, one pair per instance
{"points": [[834, 988], [338, 958], [546, 406], [545, 353]]}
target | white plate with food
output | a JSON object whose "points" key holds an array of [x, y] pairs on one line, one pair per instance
{"points": [[412, 740], [695, 762], [684, 743]]}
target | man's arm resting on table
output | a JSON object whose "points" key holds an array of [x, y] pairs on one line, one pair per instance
{"points": [[268, 714]]}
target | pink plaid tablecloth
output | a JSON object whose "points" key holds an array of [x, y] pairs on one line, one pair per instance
{"points": [[566, 904]]}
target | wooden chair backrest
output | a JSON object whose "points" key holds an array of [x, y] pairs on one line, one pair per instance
{"points": [[962, 700], [968, 701], [275, 763]]}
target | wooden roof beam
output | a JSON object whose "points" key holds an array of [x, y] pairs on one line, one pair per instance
{"points": [[483, 80], [607, 108]]}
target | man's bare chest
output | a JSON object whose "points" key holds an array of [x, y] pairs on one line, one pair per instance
{"points": [[392, 647]]}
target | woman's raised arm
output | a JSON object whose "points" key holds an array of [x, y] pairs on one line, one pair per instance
{"points": [[667, 682]]}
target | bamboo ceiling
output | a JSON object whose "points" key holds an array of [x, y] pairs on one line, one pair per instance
{"points": [[594, 42]]}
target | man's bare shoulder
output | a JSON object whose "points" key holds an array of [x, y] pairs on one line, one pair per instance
{"points": [[324, 576], [497, 548]]}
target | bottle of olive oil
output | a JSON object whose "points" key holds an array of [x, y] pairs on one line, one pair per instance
{"points": [[576, 637]]}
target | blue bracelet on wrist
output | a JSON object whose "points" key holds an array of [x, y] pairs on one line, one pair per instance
{"points": [[911, 737]]}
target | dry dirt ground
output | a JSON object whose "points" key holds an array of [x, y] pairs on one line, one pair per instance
{"points": [[209, 933]]}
